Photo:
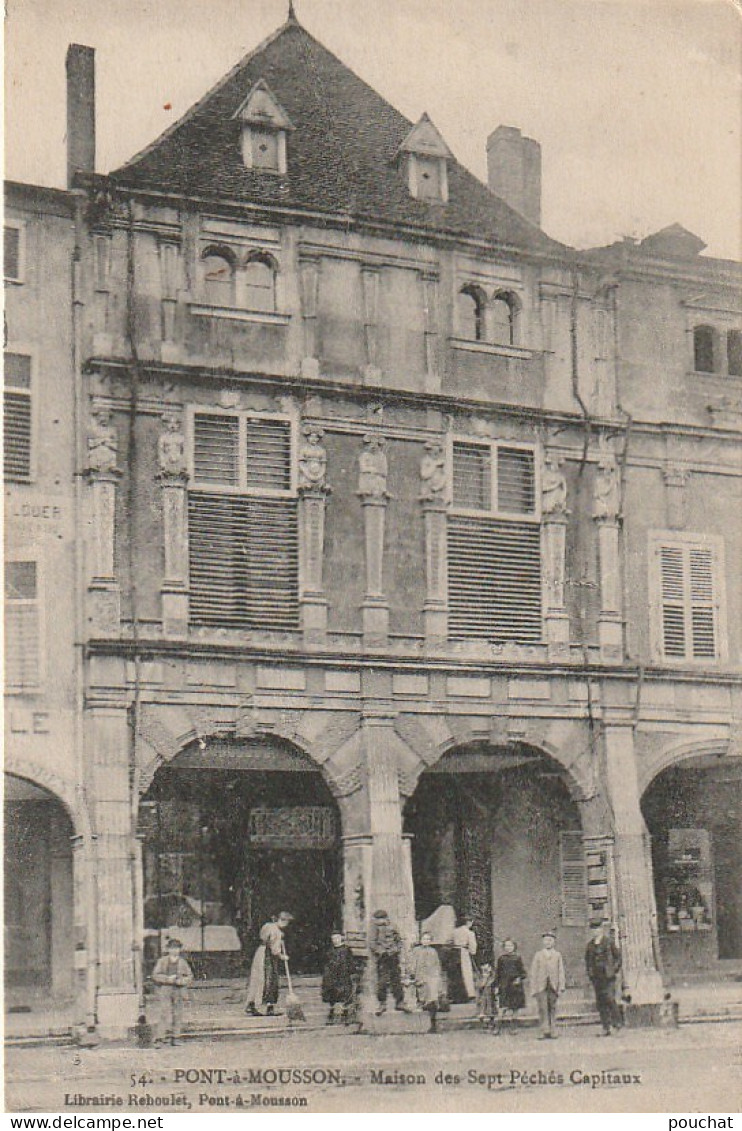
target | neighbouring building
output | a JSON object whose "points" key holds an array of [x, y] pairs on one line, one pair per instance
{"points": [[407, 559]]}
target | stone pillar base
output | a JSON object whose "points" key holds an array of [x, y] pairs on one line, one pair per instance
{"points": [[656, 1016], [314, 620], [375, 612], [170, 352], [435, 620], [117, 1013], [371, 375], [644, 987], [309, 367], [610, 637], [174, 611]]}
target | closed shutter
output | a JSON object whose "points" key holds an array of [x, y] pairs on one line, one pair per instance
{"points": [[472, 476], [243, 561], [22, 645], [573, 873], [494, 572], [516, 480], [268, 455], [689, 601], [216, 448], [17, 421]]}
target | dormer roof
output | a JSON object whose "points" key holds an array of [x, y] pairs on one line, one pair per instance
{"points": [[673, 242], [262, 108], [342, 154], [425, 138]]}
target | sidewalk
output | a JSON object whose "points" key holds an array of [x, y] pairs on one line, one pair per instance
{"points": [[218, 1009]]}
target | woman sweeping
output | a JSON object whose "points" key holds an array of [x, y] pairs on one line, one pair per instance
{"points": [[262, 989]]}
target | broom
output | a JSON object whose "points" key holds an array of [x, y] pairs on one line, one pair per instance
{"points": [[294, 1011]]}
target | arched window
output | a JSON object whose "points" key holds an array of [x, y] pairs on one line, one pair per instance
{"points": [[218, 276], [704, 360], [734, 353], [504, 312], [471, 314], [260, 283]]}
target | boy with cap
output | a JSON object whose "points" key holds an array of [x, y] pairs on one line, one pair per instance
{"points": [[172, 975], [547, 983], [385, 945]]}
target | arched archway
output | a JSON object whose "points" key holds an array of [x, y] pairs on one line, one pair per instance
{"points": [[236, 830], [39, 932], [693, 809], [497, 832]]}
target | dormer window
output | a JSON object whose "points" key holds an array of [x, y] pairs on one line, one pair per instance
{"points": [[264, 125], [260, 283], [504, 310], [424, 156], [218, 267]]}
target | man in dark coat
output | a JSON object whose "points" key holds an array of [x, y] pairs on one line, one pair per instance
{"points": [[603, 962], [385, 945], [337, 979]]}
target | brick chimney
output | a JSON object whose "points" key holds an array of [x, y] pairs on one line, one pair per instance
{"points": [[80, 110], [514, 171]]}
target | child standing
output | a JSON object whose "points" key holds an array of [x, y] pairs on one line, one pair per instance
{"points": [[172, 975], [337, 979]]}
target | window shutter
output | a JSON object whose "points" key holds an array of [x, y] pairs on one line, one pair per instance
{"points": [[17, 421], [494, 571], [472, 476], [243, 562], [702, 602], [673, 600], [22, 644], [216, 448], [11, 252], [268, 455], [516, 480], [573, 874]]}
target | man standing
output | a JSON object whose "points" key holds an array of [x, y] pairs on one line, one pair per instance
{"points": [[172, 976], [385, 945], [547, 983], [603, 962]]}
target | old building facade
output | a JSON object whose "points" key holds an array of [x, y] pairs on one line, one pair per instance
{"points": [[408, 576]]}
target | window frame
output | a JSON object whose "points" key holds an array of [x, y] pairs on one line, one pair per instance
{"points": [[38, 601], [494, 445], [686, 541], [225, 253], [265, 259], [32, 392], [241, 488], [479, 298], [20, 227]]}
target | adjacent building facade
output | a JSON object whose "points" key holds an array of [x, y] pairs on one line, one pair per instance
{"points": [[403, 554]]}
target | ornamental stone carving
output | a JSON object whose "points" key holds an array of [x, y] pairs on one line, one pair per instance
{"points": [[102, 442], [171, 446], [312, 460], [553, 489], [373, 469], [606, 497], [433, 472]]}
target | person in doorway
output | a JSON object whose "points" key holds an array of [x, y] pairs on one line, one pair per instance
{"points": [[510, 976], [603, 962], [385, 945], [337, 979], [425, 970], [461, 977], [172, 975], [262, 989], [547, 983]]}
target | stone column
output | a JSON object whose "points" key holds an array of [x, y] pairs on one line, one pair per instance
{"points": [[633, 873], [676, 479], [370, 284], [104, 593], [430, 316], [372, 479], [118, 946], [435, 504], [85, 930], [313, 492], [606, 511], [169, 272], [555, 515], [102, 254], [173, 480], [309, 282]]}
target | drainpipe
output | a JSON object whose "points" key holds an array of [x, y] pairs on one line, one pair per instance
{"points": [[90, 896]]}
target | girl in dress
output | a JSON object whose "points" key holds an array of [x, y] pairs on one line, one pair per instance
{"points": [[510, 975]]}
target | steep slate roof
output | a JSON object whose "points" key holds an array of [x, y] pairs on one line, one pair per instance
{"points": [[341, 154]]}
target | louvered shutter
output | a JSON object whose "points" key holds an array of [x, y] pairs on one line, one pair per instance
{"points": [[673, 600], [702, 602], [216, 448], [494, 578], [516, 480], [268, 455], [472, 476], [17, 421], [22, 644], [573, 875]]}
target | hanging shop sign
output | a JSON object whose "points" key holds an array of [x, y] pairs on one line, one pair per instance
{"points": [[298, 826]]}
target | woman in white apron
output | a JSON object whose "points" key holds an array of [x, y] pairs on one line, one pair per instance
{"points": [[262, 989]]}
